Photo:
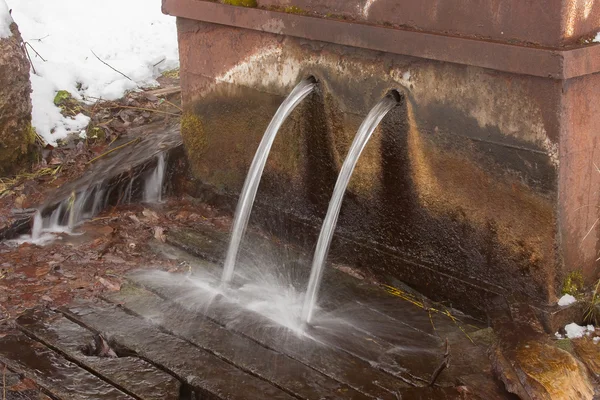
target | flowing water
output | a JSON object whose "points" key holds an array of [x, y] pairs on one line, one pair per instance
{"points": [[85, 203], [250, 188], [154, 182], [362, 137]]}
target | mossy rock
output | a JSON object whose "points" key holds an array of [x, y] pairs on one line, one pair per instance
{"points": [[194, 138], [17, 136], [241, 3]]}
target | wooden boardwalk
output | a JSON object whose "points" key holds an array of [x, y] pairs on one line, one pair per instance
{"points": [[167, 348]]}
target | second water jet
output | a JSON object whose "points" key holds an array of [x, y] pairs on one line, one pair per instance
{"points": [[360, 141]]}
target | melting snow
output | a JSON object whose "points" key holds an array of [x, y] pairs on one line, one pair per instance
{"points": [[566, 300], [575, 331], [132, 36], [5, 20]]}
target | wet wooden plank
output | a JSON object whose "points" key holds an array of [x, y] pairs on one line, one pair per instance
{"points": [[287, 373], [341, 366], [207, 374], [60, 377], [131, 374]]}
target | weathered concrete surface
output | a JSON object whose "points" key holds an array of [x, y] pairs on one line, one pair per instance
{"points": [[53, 372], [16, 133], [458, 188], [207, 374], [133, 375]]}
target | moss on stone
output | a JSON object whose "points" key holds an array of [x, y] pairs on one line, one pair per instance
{"points": [[194, 138], [295, 10], [573, 283], [241, 3], [172, 73]]}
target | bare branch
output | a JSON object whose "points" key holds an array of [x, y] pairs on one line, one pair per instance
{"points": [[109, 66]]}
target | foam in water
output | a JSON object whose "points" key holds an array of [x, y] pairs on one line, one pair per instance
{"points": [[360, 141], [244, 206]]}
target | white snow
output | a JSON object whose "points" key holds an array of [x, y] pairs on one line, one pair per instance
{"points": [[132, 36], [5, 21], [596, 339], [566, 300], [574, 331], [597, 38]]}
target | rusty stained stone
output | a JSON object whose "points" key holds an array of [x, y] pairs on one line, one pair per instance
{"points": [[589, 353], [558, 22], [460, 181], [579, 177]]}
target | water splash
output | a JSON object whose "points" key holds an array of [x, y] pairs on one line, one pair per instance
{"points": [[242, 213], [154, 182], [360, 141]]}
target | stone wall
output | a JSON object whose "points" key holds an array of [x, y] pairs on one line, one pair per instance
{"points": [[457, 192]]}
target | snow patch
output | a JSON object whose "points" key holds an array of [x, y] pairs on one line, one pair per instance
{"points": [[574, 331], [132, 36], [5, 20], [597, 38], [567, 300]]}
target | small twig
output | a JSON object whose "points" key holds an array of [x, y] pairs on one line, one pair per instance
{"points": [[108, 65], [115, 149], [35, 51], [445, 364], [174, 105], [29, 58], [145, 109], [42, 38], [163, 60]]}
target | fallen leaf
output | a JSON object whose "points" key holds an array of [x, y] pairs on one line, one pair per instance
{"points": [[113, 287], [159, 234]]}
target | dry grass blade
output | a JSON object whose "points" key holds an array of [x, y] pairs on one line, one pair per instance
{"points": [[146, 109], [115, 149], [592, 311]]}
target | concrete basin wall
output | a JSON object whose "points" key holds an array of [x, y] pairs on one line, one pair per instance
{"points": [[481, 182], [550, 23]]}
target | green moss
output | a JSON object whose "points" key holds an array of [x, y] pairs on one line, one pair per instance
{"points": [[172, 73], [193, 135], [564, 344], [295, 10], [61, 97], [573, 283], [69, 107], [241, 3]]}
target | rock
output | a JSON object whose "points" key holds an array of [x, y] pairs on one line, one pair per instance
{"points": [[17, 137], [589, 353], [536, 370]]}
